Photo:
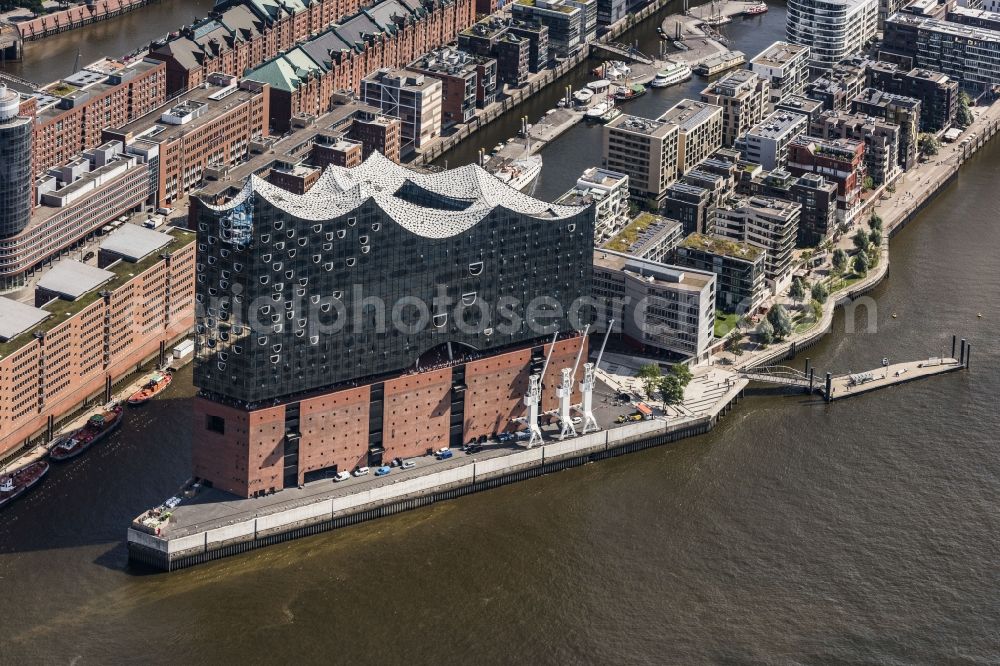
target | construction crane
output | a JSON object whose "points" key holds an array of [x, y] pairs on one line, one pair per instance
{"points": [[587, 387]]}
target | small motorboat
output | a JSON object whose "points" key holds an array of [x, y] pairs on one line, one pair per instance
{"points": [[583, 96], [595, 112], [629, 92], [157, 383], [755, 9]]}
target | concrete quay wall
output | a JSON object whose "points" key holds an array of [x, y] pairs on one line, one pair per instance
{"points": [[169, 554]]}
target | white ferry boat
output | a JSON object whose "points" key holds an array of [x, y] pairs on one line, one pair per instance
{"points": [[520, 173], [676, 72]]}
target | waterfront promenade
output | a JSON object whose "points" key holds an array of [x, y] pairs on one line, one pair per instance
{"points": [[913, 190]]}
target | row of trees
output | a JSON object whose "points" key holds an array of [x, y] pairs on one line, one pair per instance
{"points": [[670, 386]]}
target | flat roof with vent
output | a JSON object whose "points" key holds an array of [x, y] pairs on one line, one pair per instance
{"points": [[17, 317], [132, 242], [72, 279]]}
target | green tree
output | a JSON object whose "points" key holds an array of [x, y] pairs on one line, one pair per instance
{"points": [[963, 114], [817, 309], [682, 373], [798, 291], [671, 390], [875, 238], [929, 145], [649, 375], [765, 333], [875, 222], [734, 343], [839, 261], [868, 183], [860, 240], [782, 323], [861, 263], [819, 293], [743, 322]]}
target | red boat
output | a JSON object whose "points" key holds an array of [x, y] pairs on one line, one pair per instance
{"points": [[755, 9], [156, 383], [20, 481], [97, 428]]}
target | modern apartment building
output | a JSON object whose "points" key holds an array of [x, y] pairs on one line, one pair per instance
{"points": [[414, 98], [965, 53], [744, 97], [800, 104], [608, 192], [938, 94], [768, 224], [537, 34], [566, 22], [286, 393], [699, 131], [766, 143], [92, 327], [611, 11], [897, 109], [841, 161], [738, 268], [492, 38], [839, 84], [832, 29], [691, 205], [648, 236], [785, 67], [665, 308], [881, 141], [646, 151], [462, 87], [816, 195]]}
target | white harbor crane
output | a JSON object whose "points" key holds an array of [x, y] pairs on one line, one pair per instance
{"points": [[565, 392], [533, 398], [587, 388]]}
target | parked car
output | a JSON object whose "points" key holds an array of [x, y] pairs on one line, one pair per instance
{"points": [[396, 462], [88, 256], [576, 420], [383, 470], [523, 435], [444, 454], [441, 450], [341, 476], [504, 437], [360, 471], [409, 464], [474, 448]]}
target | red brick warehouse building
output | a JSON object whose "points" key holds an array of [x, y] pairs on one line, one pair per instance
{"points": [[391, 33], [286, 395]]}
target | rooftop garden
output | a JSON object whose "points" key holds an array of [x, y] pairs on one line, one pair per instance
{"points": [[627, 236], [124, 271], [721, 246], [61, 89]]}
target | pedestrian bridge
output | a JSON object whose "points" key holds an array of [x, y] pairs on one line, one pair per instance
{"points": [[620, 51], [777, 374]]}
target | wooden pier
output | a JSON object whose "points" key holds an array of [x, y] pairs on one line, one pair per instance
{"points": [[889, 375]]}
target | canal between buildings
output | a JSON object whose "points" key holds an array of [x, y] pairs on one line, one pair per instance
{"points": [[860, 531]]}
